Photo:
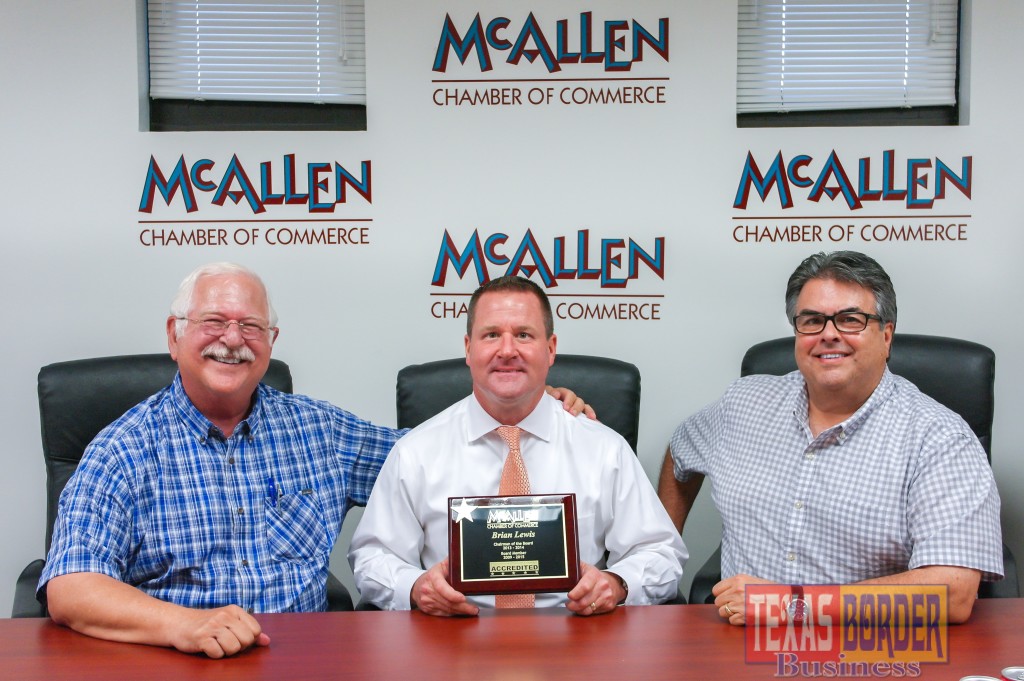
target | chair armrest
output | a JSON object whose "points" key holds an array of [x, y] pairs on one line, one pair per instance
{"points": [[709, 574], [338, 597], [25, 603]]}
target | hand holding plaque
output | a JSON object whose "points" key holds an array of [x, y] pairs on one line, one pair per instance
{"points": [[513, 544]]}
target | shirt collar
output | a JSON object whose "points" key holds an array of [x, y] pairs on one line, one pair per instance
{"points": [[879, 395], [540, 422], [843, 430], [201, 426]]}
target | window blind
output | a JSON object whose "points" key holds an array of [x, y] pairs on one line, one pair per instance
{"points": [[843, 54], [258, 50]]}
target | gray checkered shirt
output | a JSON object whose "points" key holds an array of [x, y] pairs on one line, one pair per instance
{"points": [[901, 484]]}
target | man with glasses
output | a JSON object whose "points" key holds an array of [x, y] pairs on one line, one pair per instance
{"points": [[840, 472], [215, 498]]}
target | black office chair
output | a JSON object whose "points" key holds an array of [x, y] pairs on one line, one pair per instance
{"points": [[610, 386], [959, 374], [77, 399]]}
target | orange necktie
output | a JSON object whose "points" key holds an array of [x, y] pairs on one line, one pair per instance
{"points": [[514, 482]]}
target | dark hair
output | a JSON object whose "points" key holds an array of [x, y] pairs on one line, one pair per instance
{"points": [[845, 266], [513, 284]]}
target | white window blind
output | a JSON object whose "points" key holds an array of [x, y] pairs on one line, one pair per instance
{"points": [[258, 50], [843, 54]]}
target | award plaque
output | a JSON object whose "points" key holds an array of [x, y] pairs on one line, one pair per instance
{"points": [[513, 545]]}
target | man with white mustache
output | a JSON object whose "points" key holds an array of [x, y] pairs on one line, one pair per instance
{"points": [[224, 354], [840, 472], [216, 498]]}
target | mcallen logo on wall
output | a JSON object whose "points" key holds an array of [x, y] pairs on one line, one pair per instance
{"points": [[867, 631], [596, 270], [532, 61], [916, 200], [272, 203]]}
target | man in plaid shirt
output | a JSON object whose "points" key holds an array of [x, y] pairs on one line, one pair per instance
{"points": [[839, 472]]}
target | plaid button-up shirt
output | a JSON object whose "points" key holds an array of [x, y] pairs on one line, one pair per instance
{"points": [[903, 483], [163, 501]]}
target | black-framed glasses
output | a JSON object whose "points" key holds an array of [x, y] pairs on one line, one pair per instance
{"points": [[845, 322], [218, 327]]}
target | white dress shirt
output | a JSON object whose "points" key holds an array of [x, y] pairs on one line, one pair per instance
{"points": [[622, 525]]}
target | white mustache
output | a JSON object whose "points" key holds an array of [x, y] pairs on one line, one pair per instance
{"points": [[222, 353]]}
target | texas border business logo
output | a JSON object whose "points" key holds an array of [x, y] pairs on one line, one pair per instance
{"points": [[531, 60], [866, 631]]}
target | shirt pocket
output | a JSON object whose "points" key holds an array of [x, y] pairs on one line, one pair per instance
{"points": [[296, 529]]}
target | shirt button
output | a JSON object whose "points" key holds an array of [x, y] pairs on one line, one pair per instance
{"points": [[790, 556], [231, 460], [241, 511], [245, 563], [250, 610], [809, 456], [798, 505], [842, 437]]}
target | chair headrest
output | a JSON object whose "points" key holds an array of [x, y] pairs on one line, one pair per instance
{"points": [[611, 386]]}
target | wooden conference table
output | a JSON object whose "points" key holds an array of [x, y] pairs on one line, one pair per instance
{"points": [[653, 642]]}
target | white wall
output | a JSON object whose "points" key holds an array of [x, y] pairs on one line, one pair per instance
{"points": [[80, 284]]}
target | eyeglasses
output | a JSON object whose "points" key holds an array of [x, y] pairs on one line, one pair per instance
{"points": [[845, 322], [218, 327]]}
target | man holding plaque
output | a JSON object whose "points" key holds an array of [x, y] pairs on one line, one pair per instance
{"points": [[506, 436]]}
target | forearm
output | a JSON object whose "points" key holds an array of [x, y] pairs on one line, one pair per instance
{"points": [[643, 547], [652, 577], [649, 556], [962, 583], [103, 607], [383, 577], [677, 497], [387, 582]]}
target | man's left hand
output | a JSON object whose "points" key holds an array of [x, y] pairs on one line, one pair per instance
{"points": [[730, 596], [597, 592], [572, 403]]}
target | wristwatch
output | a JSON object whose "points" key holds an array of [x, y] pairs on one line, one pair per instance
{"points": [[625, 586]]}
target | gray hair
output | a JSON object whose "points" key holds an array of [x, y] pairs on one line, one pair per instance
{"points": [[849, 267], [183, 299]]}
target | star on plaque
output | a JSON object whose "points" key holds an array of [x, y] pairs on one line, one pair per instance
{"points": [[464, 512]]}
